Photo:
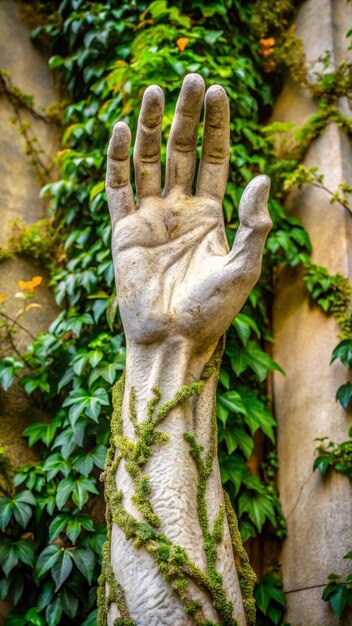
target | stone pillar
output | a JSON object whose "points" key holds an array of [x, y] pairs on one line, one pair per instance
{"points": [[19, 198], [318, 512]]}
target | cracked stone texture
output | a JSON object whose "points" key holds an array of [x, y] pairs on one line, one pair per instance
{"points": [[318, 512]]}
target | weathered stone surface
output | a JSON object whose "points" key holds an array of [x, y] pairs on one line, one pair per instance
{"points": [[179, 288], [19, 198], [29, 72], [318, 512]]}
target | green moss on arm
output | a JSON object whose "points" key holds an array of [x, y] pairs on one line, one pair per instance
{"points": [[172, 560]]}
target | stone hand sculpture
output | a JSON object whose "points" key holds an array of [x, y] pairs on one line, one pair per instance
{"points": [[173, 555]]}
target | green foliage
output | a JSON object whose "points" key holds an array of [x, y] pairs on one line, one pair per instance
{"points": [[337, 456], [9, 368], [270, 600], [333, 293], [39, 240], [338, 591]]}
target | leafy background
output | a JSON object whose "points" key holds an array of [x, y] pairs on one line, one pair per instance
{"points": [[105, 55]]}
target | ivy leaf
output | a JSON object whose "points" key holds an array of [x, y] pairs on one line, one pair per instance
{"points": [[69, 603], [21, 510], [62, 568], [25, 552], [95, 356], [344, 395], [6, 510], [252, 357], [57, 526], [78, 363], [98, 539], [343, 351], [85, 463], [85, 561], [260, 362], [17, 587], [275, 613], [247, 530], [269, 597], [236, 437], [338, 599], [9, 555], [232, 470], [45, 595], [262, 598], [322, 463], [64, 489], [82, 401], [91, 619], [244, 326], [232, 401], [258, 507], [71, 437], [108, 371], [47, 559], [55, 464], [55, 61], [41, 432], [258, 414], [33, 617], [98, 455], [73, 529], [9, 367], [224, 378], [53, 612], [82, 487]]}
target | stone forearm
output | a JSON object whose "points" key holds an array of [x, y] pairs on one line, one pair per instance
{"points": [[171, 500]]}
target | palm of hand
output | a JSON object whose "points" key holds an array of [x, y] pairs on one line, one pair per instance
{"points": [[174, 273]]}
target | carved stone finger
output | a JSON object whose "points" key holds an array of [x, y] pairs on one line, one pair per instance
{"points": [[181, 147], [118, 187], [213, 168], [147, 148], [245, 258]]}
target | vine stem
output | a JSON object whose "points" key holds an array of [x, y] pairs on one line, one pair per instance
{"points": [[17, 323], [331, 193], [16, 102]]}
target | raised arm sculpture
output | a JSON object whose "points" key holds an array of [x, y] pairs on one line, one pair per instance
{"points": [[173, 556]]}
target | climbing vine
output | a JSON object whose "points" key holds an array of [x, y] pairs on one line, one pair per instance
{"points": [[106, 54]]}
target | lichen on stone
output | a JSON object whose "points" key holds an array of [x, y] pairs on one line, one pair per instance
{"points": [[171, 559]]}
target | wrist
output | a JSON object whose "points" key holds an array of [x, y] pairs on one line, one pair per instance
{"points": [[168, 365]]}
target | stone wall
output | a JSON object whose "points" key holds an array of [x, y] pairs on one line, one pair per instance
{"points": [[318, 512], [19, 198]]}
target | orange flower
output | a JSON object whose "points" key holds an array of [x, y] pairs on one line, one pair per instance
{"points": [[269, 42], [182, 43], [2, 297], [266, 52], [30, 285]]}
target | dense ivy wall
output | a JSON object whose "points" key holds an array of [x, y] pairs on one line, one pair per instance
{"points": [[106, 54]]}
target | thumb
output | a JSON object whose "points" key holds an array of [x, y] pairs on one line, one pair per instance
{"points": [[253, 210]]}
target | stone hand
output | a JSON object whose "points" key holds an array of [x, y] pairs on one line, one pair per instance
{"points": [[174, 271]]}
